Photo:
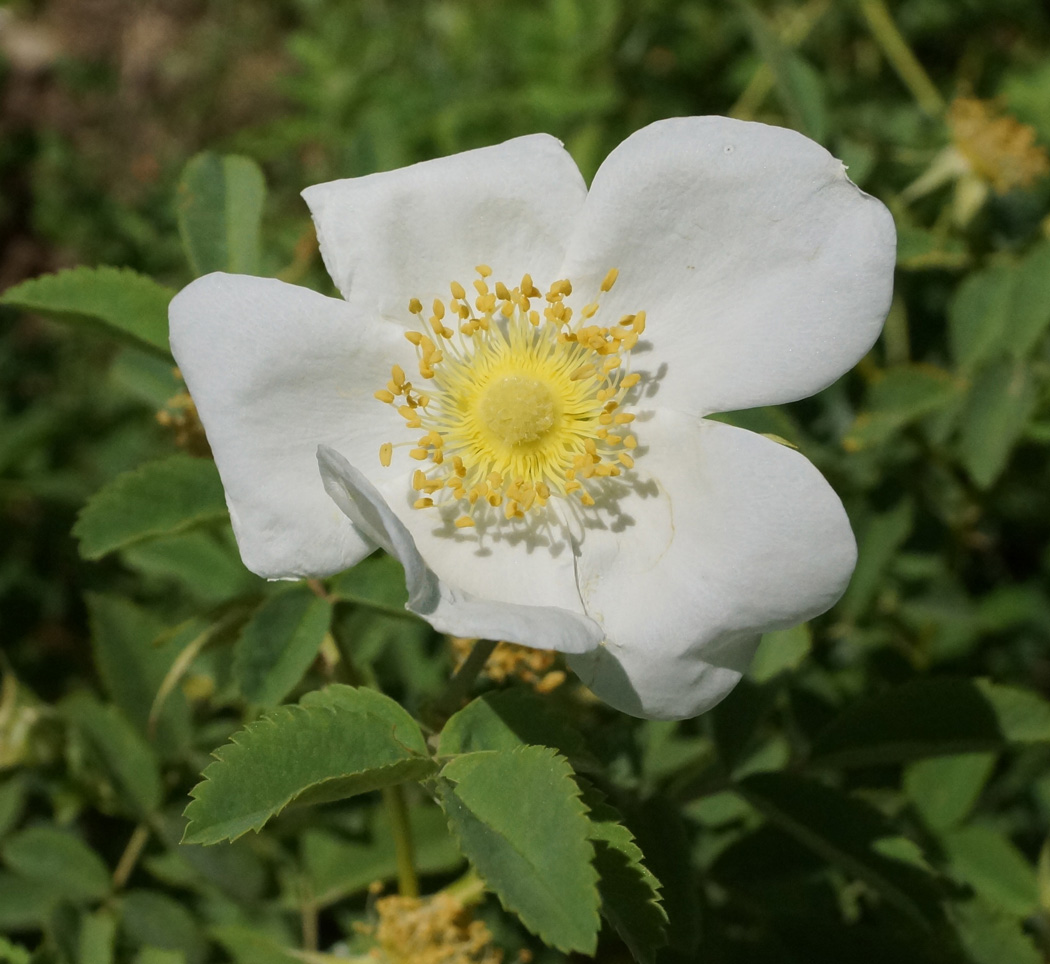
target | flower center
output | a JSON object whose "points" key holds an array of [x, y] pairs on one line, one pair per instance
{"points": [[517, 409], [518, 403]]}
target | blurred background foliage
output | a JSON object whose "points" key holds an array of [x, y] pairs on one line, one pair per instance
{"points": [[848, 802]]}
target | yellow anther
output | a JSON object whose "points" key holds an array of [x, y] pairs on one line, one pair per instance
{"points": [[384, 396], [589, 311], [630, 442], [622, 418], [501, 291], [439, 309], [464, 522], [506, 309], [418, 454], [639, 322], [610, 279], [415, 306], [543, 490], [627, 320], [414, 336], [419, 480], [457, 291], [586, 498], [386, 451], [423, 503], [484, 270], [629, 381], [625, 460], [563, 287], [397, 373], [480, 287]]}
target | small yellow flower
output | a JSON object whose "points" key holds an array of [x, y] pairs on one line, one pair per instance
{"points": [[430, 930], [536, 667], [999, 148]]}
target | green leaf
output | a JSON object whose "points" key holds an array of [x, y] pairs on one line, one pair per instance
{"points": [[24, 903], [59, 860], [781, 652], [1030, 307], [150, 919], [204, 562], [896, 399], [12, 803], [12, 953], [338, 867], [1001, 400], [977, 316], [336, 743], [97, 938], [219, 207], [126, 756], [993, 867], [247, 946], [119, 301], [945, 789], [508, 719], [377, 582], [630, 894], [278, 644], [933, 717], [132, 667], [158, 498], [844, 832], [520, 821], [991, 936]]}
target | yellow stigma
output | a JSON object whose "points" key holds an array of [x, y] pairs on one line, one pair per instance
{"points": [[517, 400]]}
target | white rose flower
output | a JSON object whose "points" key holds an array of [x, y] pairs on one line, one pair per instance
{"points": [[511, 397]]}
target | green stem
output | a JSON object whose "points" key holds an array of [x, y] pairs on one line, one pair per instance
{"points": [[397, 813], [900, 55], [468, 889], [459, 686], [130, 857]]}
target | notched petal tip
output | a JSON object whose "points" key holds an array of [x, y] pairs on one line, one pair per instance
{"points": [[444, 606]]}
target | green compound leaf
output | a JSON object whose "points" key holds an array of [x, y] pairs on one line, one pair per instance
{"points": [[847, 833], [630, 894], [126, 757], [933, 717], [62, 862], [336, 743], [279, 643], [119, 301], [508, 719], [158, 498], [520, 821], [220, 202]]}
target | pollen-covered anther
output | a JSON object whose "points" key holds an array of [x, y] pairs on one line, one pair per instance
{"points": [[519, 401]]}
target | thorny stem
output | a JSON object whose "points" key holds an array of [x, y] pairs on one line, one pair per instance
{"points": [[397, 812], [900, 55], [135, 845]]}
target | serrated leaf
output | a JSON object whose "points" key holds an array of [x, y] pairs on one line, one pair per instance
{"points": [[278, 644], [1001, 400], [127, 758], [159, 498], [508, 719], [123, 303], [520, 821], [219, 207], [933, 717], [630, 894], [978, 315], [132, 667], [58, 860], [336, 743], [844, 832]]}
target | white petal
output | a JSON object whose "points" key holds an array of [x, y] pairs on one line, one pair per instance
{"points": [[445, 606], [760, 542], [764, 271], [274, 371], [408, 233]]}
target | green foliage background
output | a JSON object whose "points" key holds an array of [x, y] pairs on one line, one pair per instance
{"points": [[877, 790]]}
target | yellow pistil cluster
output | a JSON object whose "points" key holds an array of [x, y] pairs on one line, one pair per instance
{"points": [[431, 930], [535, 667], [519, 400], [999, 148]]}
